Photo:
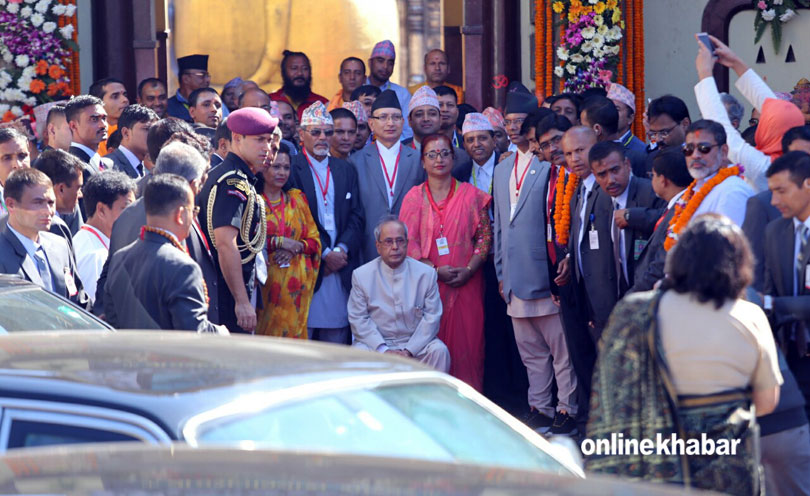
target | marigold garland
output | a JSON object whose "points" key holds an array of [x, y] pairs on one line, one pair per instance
{"points": [[562, 206], [690, 201]]}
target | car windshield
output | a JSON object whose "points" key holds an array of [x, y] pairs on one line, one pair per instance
{"points": [[33, 309], [426, 421]]}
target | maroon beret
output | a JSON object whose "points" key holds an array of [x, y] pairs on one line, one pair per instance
{"points": [[251, 121]]}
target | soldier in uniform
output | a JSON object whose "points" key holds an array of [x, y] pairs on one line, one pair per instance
{"points": [[232, 215]]}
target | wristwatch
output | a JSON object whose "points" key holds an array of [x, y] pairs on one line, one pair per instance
{"points": [[627, 215], [337, 249]]}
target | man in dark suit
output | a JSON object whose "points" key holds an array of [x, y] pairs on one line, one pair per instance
{"points": [[670, 177], [593, 269], [88, 125], [153, 283], [611, 168], [600, 113], [758, 214], [221, 143], [182, 160], [386, 169], [330, 185], [193, 74], [65, 172], [13, 155], [134, 125], [26, 248], [787, 255]]}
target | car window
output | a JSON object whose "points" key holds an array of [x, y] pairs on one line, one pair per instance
{"points": [[37, 310], [426, 421], [26, 434]]}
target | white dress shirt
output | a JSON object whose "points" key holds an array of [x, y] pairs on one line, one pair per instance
{"points": [[797, 246], [587, 187], [389, 163], [728, 198], [620, 202], [481, 176], [95, 158], [91, 247]]}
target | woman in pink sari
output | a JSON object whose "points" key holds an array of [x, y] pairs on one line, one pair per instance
{"points": [[449, 229]]}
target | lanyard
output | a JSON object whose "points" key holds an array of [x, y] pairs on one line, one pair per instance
{"points": [[324, 190], [282, 224], [436, 208], [94, 233], [519, 183], [393, 178], [475, 180], [628, 140]]}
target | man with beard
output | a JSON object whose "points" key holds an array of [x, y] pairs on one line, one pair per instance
{"points": [[352, 75], [363, 131], [193, 70], [381, 66], [113, 94], [437, 69], [296, 72], [152, 94]]}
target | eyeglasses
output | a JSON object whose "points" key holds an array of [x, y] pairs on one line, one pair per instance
{"points": [[441, 153], [386, 118], [316, 133], [703, 148], [204, 75], [547, 144], [391, 242], [662, 134]]}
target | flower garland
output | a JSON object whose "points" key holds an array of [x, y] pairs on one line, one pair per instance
{"points": [[562, 206], [590, 42], [34, 53], [774, 13], [690, 201]]}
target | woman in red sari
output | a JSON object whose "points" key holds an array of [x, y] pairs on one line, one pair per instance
{"points": [[449, 229]]}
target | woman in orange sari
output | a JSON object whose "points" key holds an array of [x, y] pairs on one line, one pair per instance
{"points": [[294, 249], [449, 229]]}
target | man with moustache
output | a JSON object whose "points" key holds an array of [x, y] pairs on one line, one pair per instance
{"points": [[287, 124], [232, 216], [448, 106], [352, 75], [296, 71], [88, 126], [380, 68], [437, 69], [330, 185], [345, 127], [611, 168], [386, 169], [205, 108], [152, 94], [424, 114], [112, 92]]}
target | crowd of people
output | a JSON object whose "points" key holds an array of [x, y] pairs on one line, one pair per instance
{"points": [[609, 282]]}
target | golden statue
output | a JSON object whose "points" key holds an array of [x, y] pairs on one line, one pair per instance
{"points": [[246, 37]]}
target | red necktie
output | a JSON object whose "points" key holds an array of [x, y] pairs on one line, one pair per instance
{"points": [[661, 219], [552, 188]]}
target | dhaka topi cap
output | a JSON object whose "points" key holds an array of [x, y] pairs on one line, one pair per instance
{"points": [[387, 99], [233, 83], [475, 121], [357, 109], [250, 121], [518, 102], [619, 93], [384, 49], [495, 117], [423, 96], [190, 62], [316, 115]]}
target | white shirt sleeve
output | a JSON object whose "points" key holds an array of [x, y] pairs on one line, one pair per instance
{"points": [[754, 89], [739, 151]]}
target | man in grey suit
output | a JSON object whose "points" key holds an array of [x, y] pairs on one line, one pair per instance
{"points": [[153, 283], [522, 267], [386, 170], [670, 177], [134, 125], [625, 192], [182, 160], [26, 248]]}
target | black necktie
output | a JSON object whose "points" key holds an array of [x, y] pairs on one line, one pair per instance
{"points": [[139, 168]]}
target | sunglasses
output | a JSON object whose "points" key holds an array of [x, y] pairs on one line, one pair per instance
{"points": [[315, 133], [703, 148]]}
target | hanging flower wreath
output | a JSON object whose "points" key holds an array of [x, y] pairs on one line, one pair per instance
{"points": [[774, 13], [34, 52], [590, 42], [566, 188]]}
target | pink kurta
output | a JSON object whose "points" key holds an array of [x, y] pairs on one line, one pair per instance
{"points": [[468, 233]]}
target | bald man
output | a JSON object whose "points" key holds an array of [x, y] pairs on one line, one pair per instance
{"points": [[437, 69], [255, 97]]}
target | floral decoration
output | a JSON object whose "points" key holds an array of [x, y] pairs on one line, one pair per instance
{"points": [[689, 202], [34, 54], [774, 13], [566, 188], [591, 35]]}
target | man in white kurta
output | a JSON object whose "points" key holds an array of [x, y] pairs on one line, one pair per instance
{"points": [[394, 306]]}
